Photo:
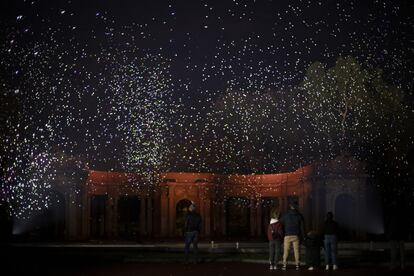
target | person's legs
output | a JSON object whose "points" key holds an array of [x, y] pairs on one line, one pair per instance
{"points": [[310, 258], [317, 262], [402, 254], [272, 252], [393, 253], [286, 245], [295, 242], [188, 239], [278, 245], [334, 250], [316, 257], [195, 246], [327, 249]]}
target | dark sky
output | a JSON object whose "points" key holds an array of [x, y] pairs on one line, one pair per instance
{"points": [[79, 67], [291, 33]]}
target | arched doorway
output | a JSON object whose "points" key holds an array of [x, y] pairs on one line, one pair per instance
{"points": [[181, 210], [238, 218], [128, 217], [345, 216], [98, 216]]}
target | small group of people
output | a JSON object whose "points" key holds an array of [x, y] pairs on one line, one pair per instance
{"points": [[288, 231]]}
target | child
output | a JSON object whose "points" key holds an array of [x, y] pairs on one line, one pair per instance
{"points": [[313, 244], [275, 236]]}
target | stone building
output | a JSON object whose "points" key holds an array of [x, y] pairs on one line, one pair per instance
{"points": [[119, 206]]}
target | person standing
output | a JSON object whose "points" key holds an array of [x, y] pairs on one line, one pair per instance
{"points": [[275, 236], [313, 245], [293, 224], [330, 231], [192, 228]]}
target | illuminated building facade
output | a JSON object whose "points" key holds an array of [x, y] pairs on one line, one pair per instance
{"points": [[117, 206]]}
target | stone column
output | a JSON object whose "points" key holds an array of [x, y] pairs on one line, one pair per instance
{"points": [[164, 211], [107, 219], [216, 213], [156, 213], [171, 211], [86, 212], [200, 192], [115, 214], [70, 219], [142, 218], [259, 218], [206, 198], [302, 196], [110, 215], [149, 216], [223, 216], [282, 204], [252, 217], [78, 206], [285, 194], [307, 213]]}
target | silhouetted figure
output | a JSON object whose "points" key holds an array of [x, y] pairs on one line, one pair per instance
{"points": [[330, 231], [293, 225], [275, 236], [397, 233], [313, 244], [192, 228], [5, 224]]}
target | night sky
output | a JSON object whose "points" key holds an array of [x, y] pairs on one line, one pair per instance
{"points": [[143, 85]]}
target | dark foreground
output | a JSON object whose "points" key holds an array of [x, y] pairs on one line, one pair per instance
{"points": [[213, 269], [126, 260]]}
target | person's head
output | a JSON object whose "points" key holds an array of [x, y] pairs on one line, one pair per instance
{"points": [[292, 206], [329, 216], [275, 213], [275, 216], [192, 207]]}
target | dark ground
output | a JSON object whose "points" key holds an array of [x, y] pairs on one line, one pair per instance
{"points": [[214, 269], [60, 261]]}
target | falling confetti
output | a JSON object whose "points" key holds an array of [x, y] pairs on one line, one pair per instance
{"points": [[232, 87]]}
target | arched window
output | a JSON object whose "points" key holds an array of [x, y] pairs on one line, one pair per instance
{"points": [[98, 216], [129, 217], [238, 217], [345, 216]]}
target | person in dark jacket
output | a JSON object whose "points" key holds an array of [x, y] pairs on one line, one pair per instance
{"points": [[313, 244], [192, 228], [293, 225], [330, 231], [275, 236]]}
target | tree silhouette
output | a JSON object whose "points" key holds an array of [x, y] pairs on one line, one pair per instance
{"points": [[352, 104]]}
